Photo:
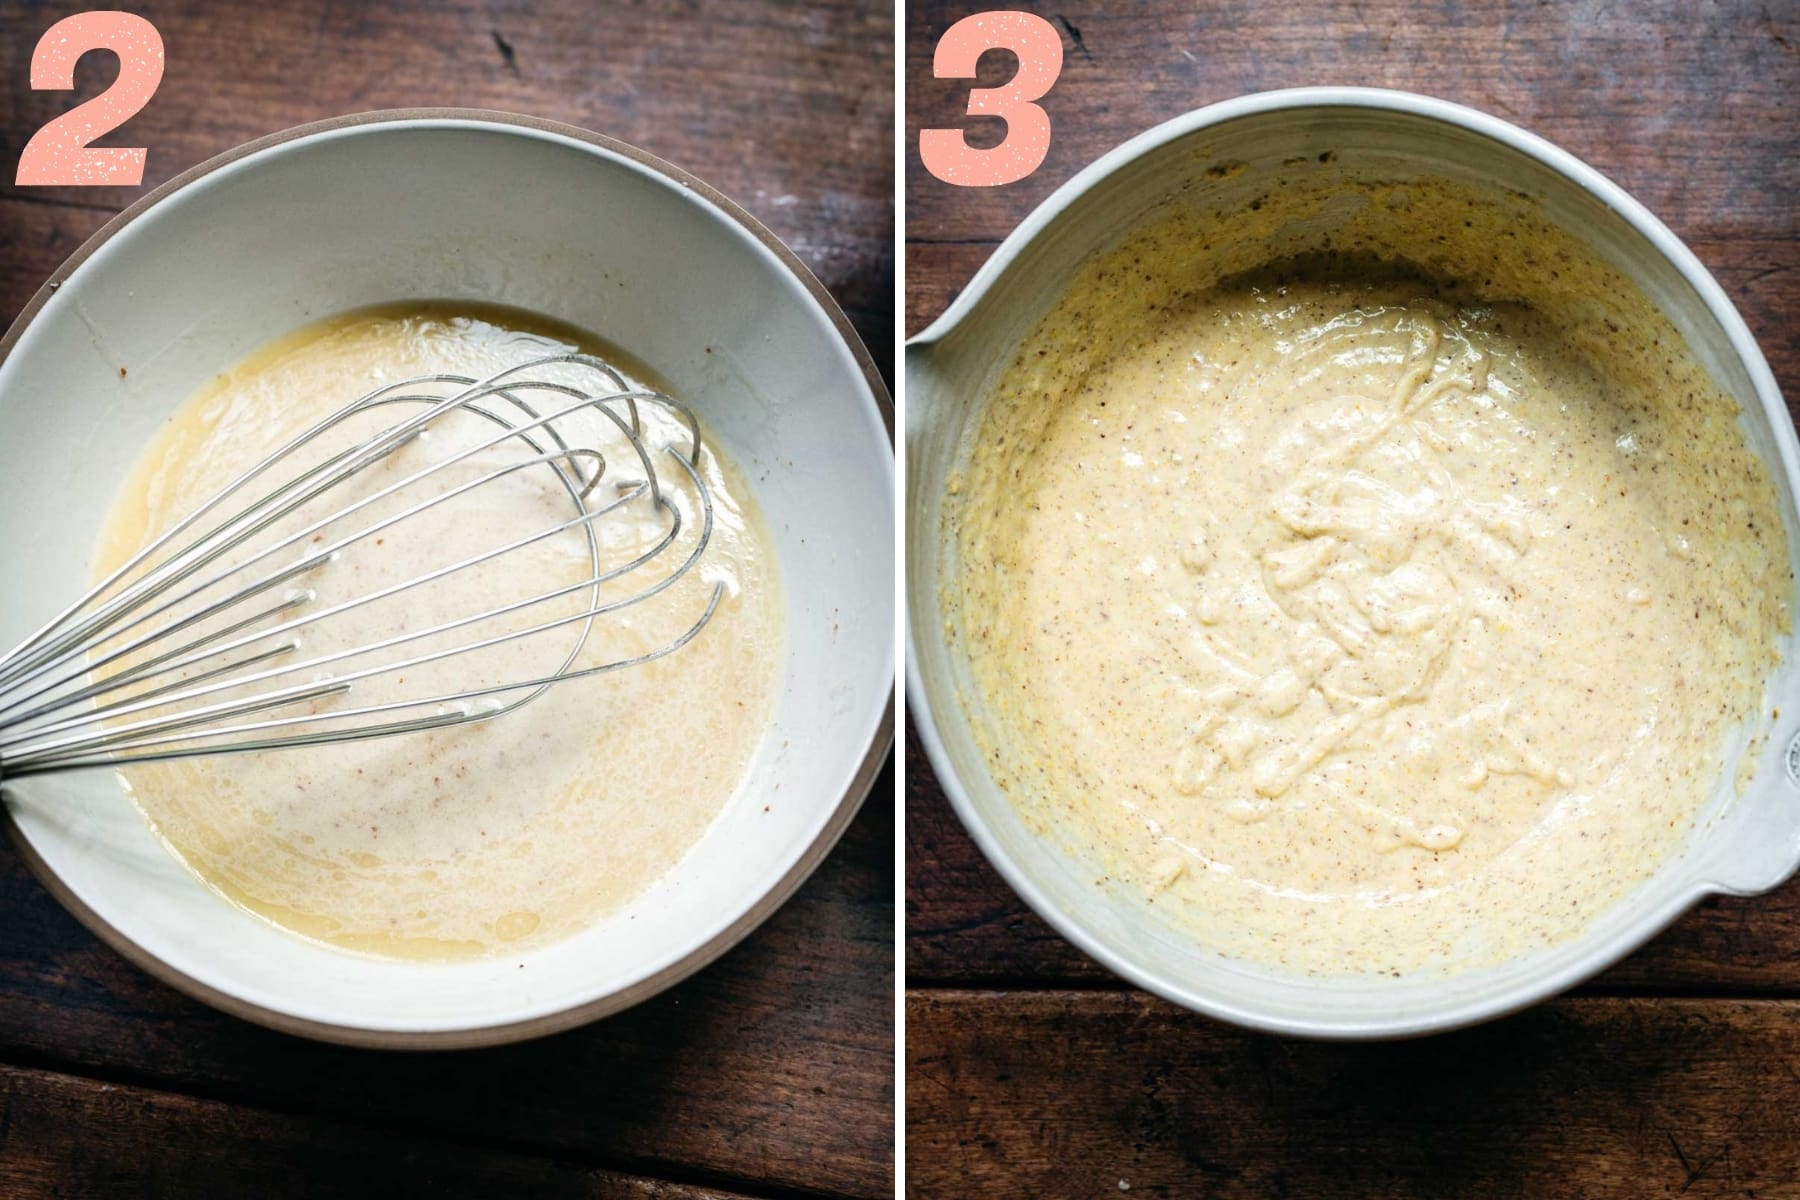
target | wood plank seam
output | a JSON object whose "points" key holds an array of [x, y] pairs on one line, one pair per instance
{"points": [[647, 1167], [12, 1074]]}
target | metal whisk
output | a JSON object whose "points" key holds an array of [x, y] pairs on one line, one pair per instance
{"points": [[194, 645]]}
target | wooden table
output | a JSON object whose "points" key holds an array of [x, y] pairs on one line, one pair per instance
{"points": [[1031, 1072], [768, 1074]]}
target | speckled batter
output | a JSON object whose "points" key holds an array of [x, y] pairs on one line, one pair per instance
{"points": [[1371, 623], [487, 837]]}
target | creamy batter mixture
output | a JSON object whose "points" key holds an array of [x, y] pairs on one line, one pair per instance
{"points": [[484, 837], [1369, 622]]}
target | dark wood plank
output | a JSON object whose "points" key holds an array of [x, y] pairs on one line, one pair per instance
{"points": [[62, 1135], [1689, 107], [1119, 1094], [966, 927], [787, 108], [936, 274], [771, 1068]]}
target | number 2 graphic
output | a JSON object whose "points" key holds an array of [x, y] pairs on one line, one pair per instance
{"points": [[946, 153], [59, 152]]}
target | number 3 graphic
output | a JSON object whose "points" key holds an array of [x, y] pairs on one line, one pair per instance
{"points": [[59, 152], [946, 153]]}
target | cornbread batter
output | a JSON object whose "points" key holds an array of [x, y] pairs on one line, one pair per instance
{"points": [[1369, 622], [491, 836]]}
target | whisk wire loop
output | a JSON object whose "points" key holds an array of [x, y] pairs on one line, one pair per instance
{"points": [[160, 660]]}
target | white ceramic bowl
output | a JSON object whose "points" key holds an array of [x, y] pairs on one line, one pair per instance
{"points": [[1742, 844], [482, 206]]}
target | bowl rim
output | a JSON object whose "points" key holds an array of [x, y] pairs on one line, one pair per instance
{"points": [[847, 806], [1490, 1004]]}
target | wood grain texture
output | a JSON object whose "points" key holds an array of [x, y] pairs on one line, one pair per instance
{"points": [[785, 107], [1119, 1094], [771, 1072], [64, 1135], [1688, 106]]}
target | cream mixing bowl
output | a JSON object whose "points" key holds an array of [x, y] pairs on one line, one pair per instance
{"points": [[1222, 160], [453, 205]]}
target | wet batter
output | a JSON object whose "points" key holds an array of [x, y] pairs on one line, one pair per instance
{"points": [[486, 837], [1368, 623]]}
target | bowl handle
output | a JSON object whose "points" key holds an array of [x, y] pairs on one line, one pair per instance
{"points": [[1763, 849]]}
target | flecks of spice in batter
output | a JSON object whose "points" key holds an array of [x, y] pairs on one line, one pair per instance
{"points": [[1361, 614]]}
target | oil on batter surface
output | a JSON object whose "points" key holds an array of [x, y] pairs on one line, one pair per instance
{"points": [[482, 837]]}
